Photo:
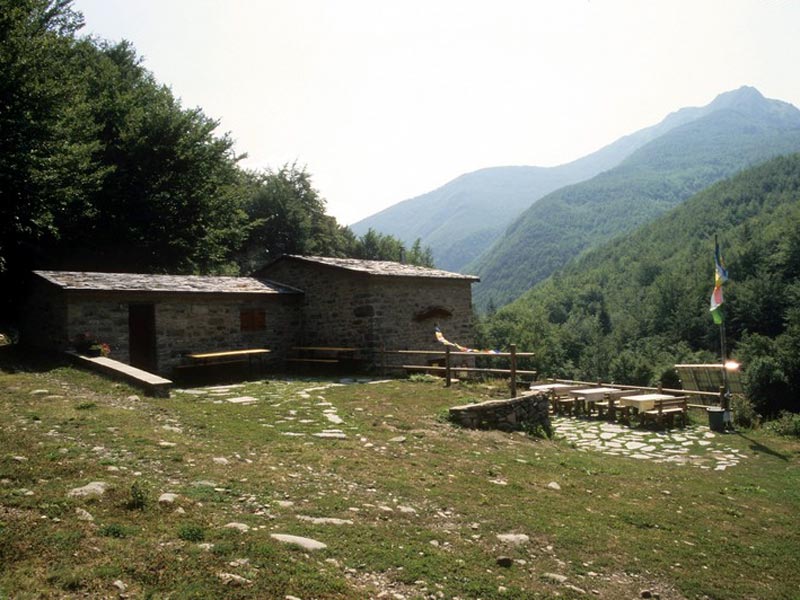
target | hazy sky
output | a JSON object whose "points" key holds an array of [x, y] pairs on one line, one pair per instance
{"points": [[383, 100]]}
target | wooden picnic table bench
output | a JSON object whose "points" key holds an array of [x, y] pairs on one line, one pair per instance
{"points": [[321, 355], [666, 410], [225, 357]]}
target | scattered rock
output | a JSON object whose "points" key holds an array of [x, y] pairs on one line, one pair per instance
{"points": [[167, 444], [167, 498], [325, 520], [243, 400], [553, 485], [288, 597], [333, 418], [95, 488], [517, 539], [207, 546], [39, 392], [554, 577], [132, 398], [504, 561], [240, 562], [83, 515], [20, 459], [399, 439], [332, 435], [120, 585], [303, 542], [221, 460], [575, 588], [243, 527], [233, 579], [407, 510]]}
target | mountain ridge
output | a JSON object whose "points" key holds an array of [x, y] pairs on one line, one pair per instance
{"points": [[738, 129], [493, 197]]}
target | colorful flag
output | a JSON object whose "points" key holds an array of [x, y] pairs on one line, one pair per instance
{"points": [[720, 277]]}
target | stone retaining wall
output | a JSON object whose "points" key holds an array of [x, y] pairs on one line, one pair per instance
{"points": [[524, 412]]}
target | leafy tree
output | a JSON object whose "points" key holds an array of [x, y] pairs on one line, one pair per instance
{"points": [[42, 160]]}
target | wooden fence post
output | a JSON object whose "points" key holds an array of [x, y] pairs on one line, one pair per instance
{"points": [[447, 366], [513, 348]]}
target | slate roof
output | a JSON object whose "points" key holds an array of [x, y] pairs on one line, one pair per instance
{"points": [[139, 282], [380, 267]]}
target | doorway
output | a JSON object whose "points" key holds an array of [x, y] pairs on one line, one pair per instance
{"points": [[142, 336]]}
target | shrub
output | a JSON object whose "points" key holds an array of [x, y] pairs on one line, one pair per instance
{"points": [[138, 499], [765, 385], [114, 530], [744, 413], [191, 533], [787, 424]]}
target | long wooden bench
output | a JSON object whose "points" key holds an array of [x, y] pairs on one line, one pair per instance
{"points": [[202, 360], [667, 411], [323, 355]]}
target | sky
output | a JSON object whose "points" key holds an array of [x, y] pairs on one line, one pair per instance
{"points": [[384, 100]]}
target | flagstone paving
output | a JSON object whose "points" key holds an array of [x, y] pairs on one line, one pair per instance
{"points": [[308, 410], [695, 445]]}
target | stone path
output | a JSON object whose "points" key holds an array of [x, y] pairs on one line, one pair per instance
{"points": [[308, 402], [694, 445]]}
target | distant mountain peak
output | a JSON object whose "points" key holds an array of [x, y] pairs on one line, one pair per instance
{"points": [[749, 100], [743, 96]]}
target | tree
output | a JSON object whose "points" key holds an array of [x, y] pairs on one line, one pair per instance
{"points": [[41, 162]]}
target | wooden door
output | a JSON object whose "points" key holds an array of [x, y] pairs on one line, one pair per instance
{"points": [[142, 336]]}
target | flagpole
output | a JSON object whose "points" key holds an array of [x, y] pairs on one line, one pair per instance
{"points": [[726, 397]]}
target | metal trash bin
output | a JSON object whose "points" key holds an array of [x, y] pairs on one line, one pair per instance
{"points": [[716, 418]]}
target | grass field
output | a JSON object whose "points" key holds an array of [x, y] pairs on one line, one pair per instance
{"points": [[407, 505]]}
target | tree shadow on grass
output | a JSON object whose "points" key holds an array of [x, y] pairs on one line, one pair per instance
{"points": [[759, 447]]}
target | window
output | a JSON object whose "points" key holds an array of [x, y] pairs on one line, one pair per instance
{"points": [[253, 319]]}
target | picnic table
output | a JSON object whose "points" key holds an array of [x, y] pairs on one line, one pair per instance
{"points": [[643, 402], [595, 398], [228, 356]]}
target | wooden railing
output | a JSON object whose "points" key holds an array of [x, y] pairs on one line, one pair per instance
{"points": [[447, 369]]}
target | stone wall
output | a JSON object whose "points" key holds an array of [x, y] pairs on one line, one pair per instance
{"points": [[343, 308], [207, 326], [184, 323], [524, 412]]}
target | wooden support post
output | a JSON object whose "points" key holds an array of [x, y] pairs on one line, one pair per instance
{"points": [[513, 349], [447, 366]]}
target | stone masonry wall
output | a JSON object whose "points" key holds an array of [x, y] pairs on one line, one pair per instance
{"points": [[207, 326], [507, 415], [184, 323], [354, 309]]}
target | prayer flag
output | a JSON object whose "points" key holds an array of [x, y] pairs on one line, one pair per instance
{"points": [[720, 277]]}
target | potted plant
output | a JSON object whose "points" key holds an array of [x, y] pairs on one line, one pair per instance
{"points": [[88, 345]]}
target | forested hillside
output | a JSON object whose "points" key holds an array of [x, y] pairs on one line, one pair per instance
{"points": [[737, 130], [632, 308], [462, 219], [102, 168]]}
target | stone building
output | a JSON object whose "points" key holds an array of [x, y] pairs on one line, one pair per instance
{"points": [[152, 321], [369, 304]]}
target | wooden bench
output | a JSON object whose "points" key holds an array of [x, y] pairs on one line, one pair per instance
{"points": [[224, 357], [667, 410], [322, 355]]}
